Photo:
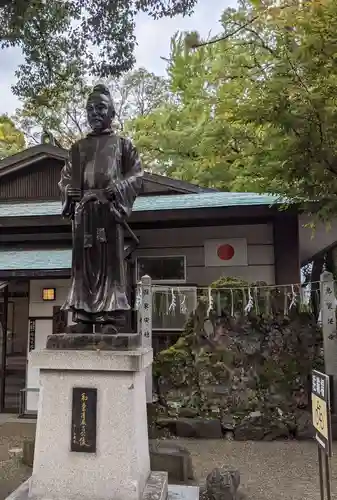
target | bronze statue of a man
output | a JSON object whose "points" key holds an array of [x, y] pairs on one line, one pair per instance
{"points": [[99, 184]]}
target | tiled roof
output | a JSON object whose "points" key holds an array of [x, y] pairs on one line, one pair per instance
{"points": [[12, 260], [149, 203], [31, 260]]}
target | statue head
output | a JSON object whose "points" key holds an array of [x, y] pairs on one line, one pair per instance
{"points": [[100, 108]]}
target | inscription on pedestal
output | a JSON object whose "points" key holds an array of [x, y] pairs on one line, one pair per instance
{"points": [[84, 420]]}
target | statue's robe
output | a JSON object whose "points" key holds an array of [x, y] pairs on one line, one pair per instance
{"points": [[98, 281]]}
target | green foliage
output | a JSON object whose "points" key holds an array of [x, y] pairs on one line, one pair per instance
{"points": [[11, 139], [137, 93], [64, 41], [229, 282], [255, 111]]}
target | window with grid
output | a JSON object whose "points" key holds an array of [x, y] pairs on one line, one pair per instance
{"points": [[167, 269]]}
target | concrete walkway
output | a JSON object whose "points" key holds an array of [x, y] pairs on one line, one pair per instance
{"points": [[12, 417]]}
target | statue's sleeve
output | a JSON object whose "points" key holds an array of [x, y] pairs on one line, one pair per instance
{"points": [[65, 181], [130, 183]]}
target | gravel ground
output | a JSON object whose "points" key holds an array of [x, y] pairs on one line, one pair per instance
{"points": [[12, 471], [269, 471]]}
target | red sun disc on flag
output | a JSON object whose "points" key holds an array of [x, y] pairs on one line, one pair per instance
{"points": [[225, 252]]}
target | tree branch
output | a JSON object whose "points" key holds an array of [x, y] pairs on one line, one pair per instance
{"points": [[75, 122], [229, 35]]}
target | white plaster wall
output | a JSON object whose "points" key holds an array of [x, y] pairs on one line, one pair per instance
{"points": [[43, 312], [179, 241], [190, 243]]}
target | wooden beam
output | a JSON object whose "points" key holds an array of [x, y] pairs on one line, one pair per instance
{"points": [[31, 155], [153, 216], [35, 273], [35, 221], [56, 232], [35, 237], [4, 351], [286, 248], [203, 214]]}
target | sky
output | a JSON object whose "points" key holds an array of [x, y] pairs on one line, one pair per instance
{"points": [[153, 43]]}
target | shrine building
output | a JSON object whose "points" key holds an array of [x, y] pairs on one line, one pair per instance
{"points": [[189, 237]]}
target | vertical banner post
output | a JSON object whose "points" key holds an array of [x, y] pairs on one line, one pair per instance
{"points": [[145, 325], [321, 419], [328, 319], [327, 477], [4, 328], [321, 472]]}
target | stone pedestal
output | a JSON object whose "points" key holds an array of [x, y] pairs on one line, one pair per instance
{"points": [[120, 467]]}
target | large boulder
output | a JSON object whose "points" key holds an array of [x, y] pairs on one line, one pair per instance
{"points": [[241, 375], [304, 427], [198, 428]]}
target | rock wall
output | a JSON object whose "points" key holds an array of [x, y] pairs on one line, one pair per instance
{"points": [[245, 376]]}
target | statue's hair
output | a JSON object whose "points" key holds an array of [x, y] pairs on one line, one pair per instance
{"points": [[101, 88]]}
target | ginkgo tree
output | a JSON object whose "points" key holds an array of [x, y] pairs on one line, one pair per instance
{"points": [[257, 110], [12, 140]]}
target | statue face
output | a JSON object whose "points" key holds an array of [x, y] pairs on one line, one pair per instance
{"points": [[100, 112]]}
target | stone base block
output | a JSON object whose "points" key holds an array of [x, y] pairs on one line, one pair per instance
{"points": [[182, 492], [93, 341], [169, 457], [156, 489], [118, 464]]}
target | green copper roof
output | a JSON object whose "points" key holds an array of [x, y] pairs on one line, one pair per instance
{"points": [[149, 203], [30, 260], [12, 260]]}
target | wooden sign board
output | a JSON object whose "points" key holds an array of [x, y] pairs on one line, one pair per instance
{"points": [[32, 329], [321, 413], [84, 420]]}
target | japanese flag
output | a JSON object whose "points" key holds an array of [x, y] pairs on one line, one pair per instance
{"points": [[227, 252]]}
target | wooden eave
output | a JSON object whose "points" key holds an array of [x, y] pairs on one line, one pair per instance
{"points": [[174, 218], [41, 152]]}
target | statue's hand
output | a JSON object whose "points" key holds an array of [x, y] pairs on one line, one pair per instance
{"points": [[74, 194], [117, 213], [68, 210], [110, 192]]}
